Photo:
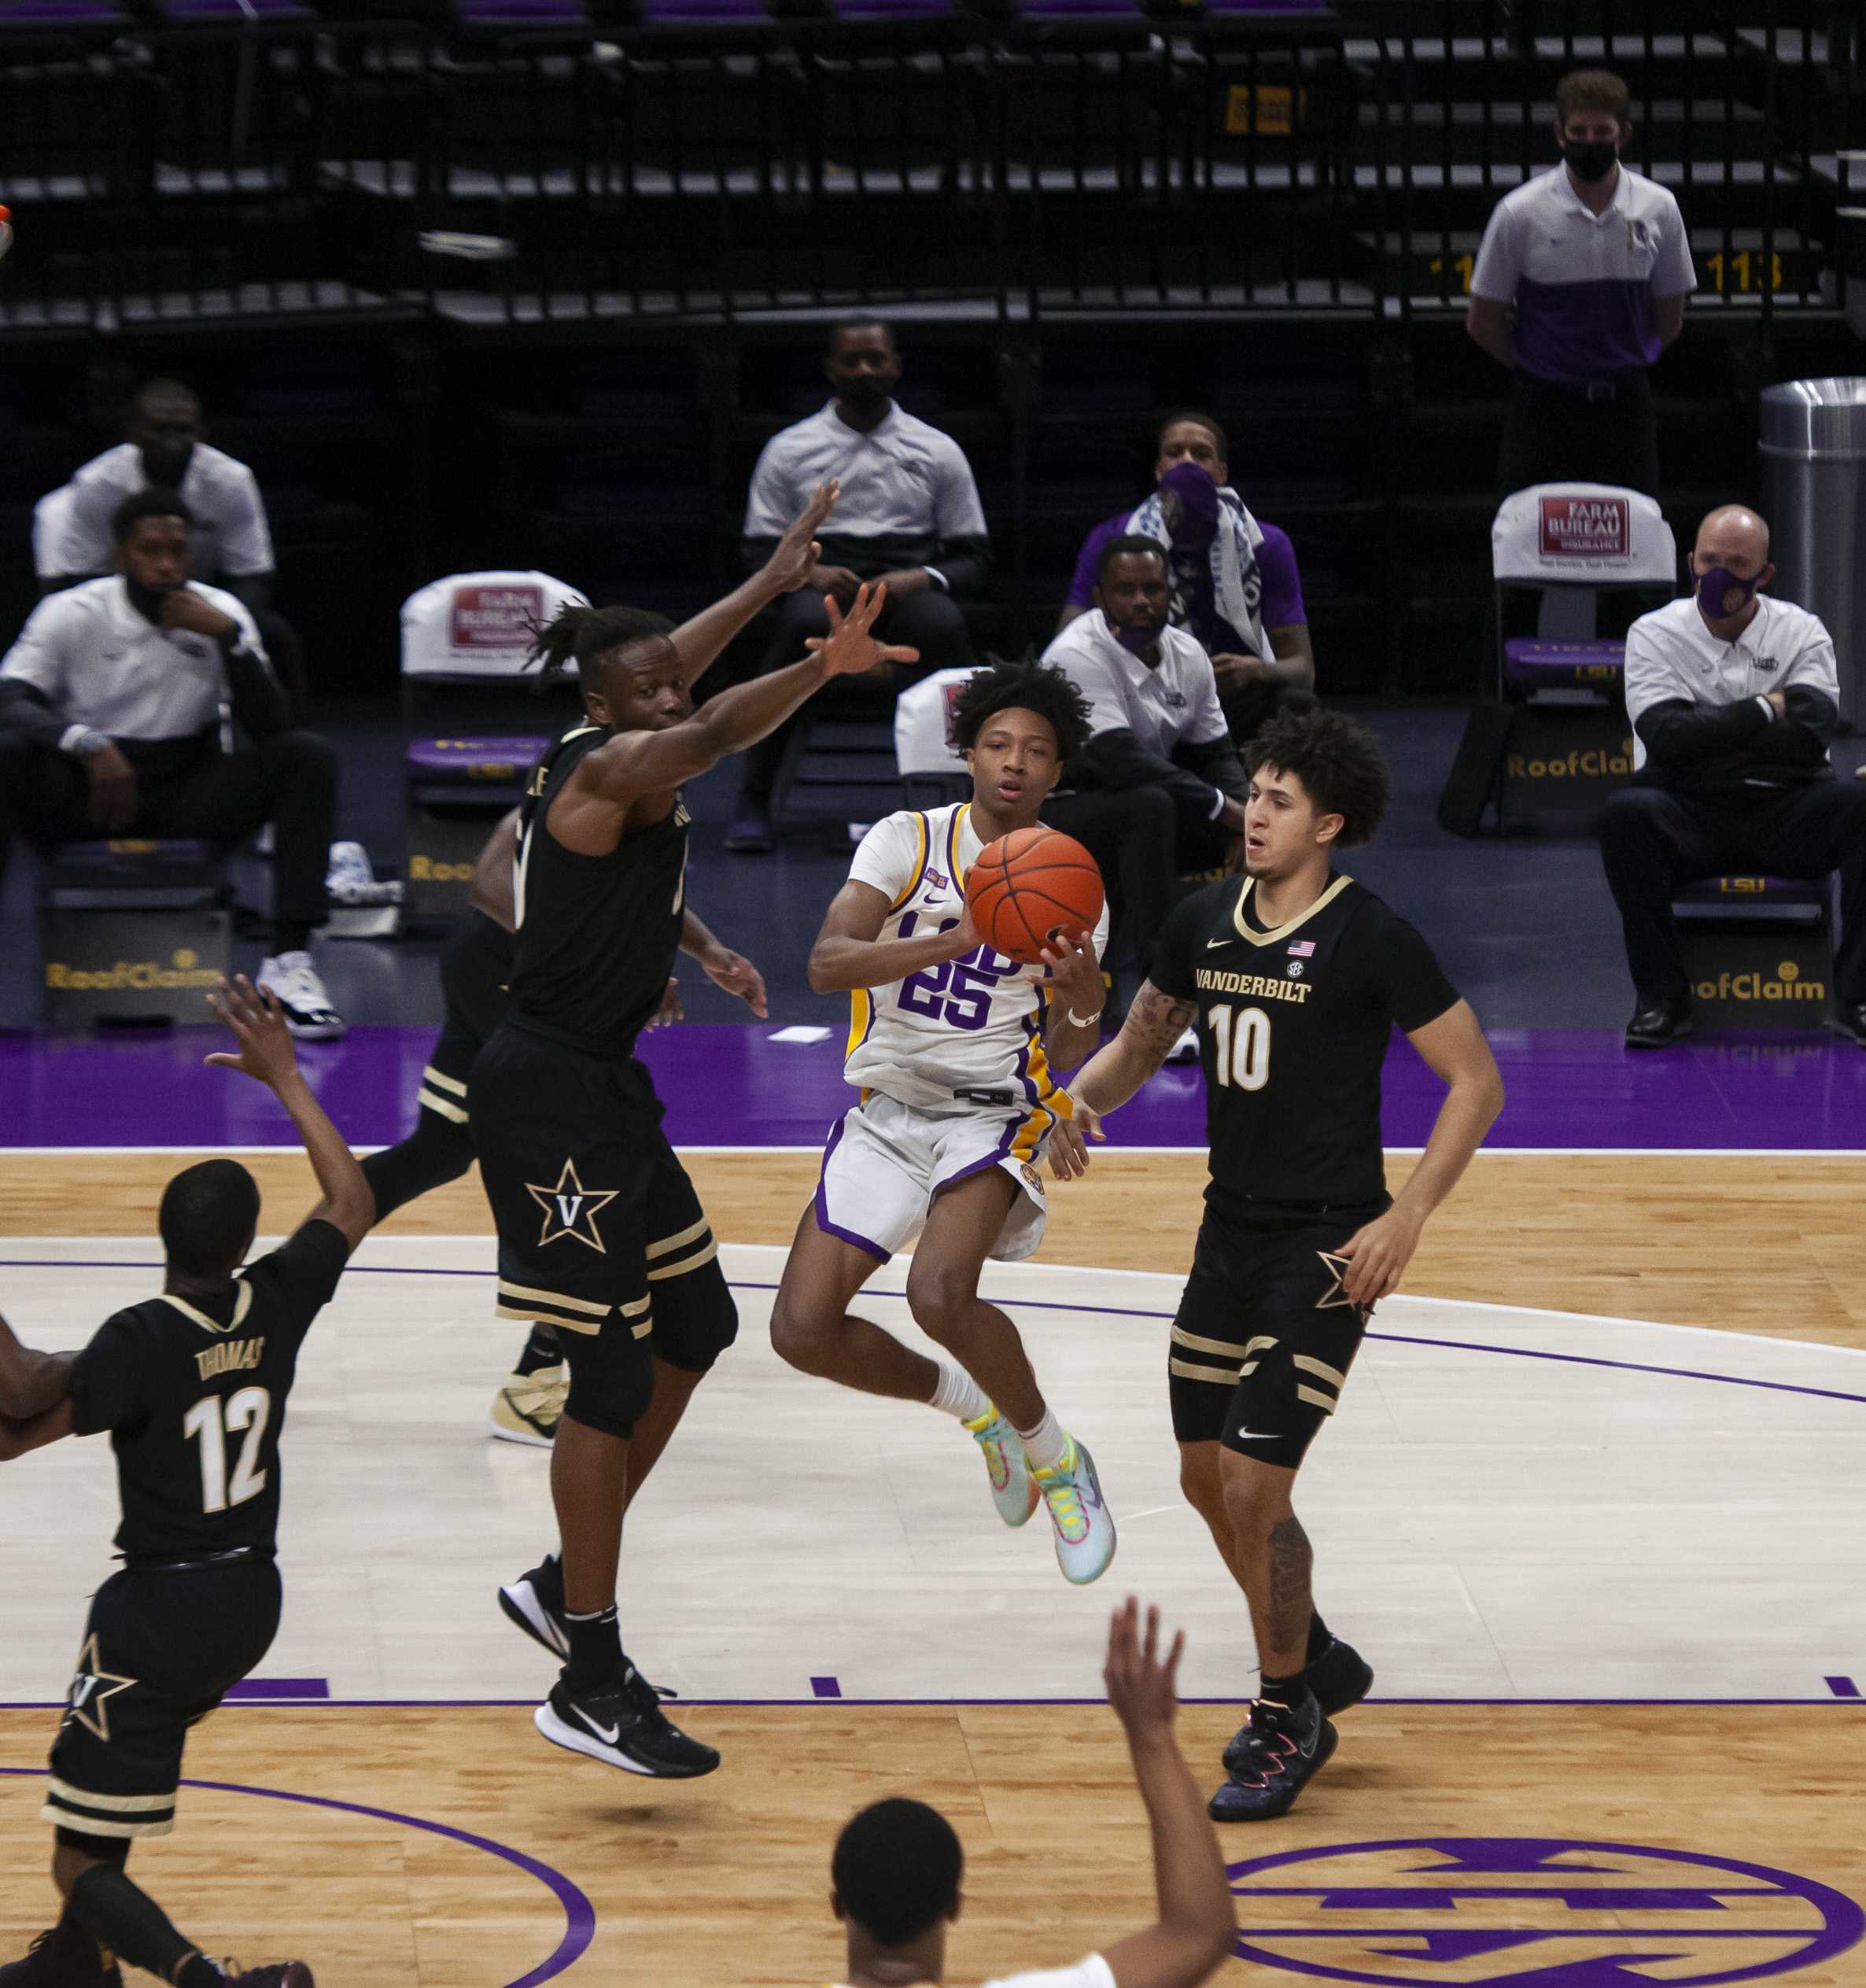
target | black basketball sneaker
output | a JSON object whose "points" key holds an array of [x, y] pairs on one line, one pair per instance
{"points": [[1339, 1678], [622, 1724], [65, 1957], [287, 1974], [1282, 1752], [534, 1603]]}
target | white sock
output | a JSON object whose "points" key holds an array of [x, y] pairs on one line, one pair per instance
{"points": [[1045, 1445], [957, 1393]]}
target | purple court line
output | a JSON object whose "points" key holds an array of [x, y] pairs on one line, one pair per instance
{"points": [[579, 1915], [825, 1688], [1843, 1687], [1127, 1312], [934, 1704], [294, 1690]]}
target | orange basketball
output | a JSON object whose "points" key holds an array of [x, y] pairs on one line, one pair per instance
{"points": [[1029, 884]]}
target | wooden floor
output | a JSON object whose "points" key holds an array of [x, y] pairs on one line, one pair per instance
{"points": [[1772, 1244], [724, 1882]]}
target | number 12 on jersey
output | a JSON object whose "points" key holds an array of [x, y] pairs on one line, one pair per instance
{"points": [[209, 1422], [1240, 1052]]}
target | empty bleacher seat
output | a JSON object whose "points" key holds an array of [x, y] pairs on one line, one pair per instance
{"points": [[1759, 950], [133, 930], [464, 642]]}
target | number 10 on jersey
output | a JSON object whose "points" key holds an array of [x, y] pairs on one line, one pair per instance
{"points": [[1241, 1048]]}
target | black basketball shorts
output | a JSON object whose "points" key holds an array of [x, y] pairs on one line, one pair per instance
{"points": [[1264, 1337], [600, 1231], [475, 964], [162, 1647]]}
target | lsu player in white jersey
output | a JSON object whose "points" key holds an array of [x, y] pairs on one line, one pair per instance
{"points": [[953, 1046]]}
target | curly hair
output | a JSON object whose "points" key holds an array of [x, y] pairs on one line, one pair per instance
{"points": [[581, 635], [1338, 759], [1025, 685]]}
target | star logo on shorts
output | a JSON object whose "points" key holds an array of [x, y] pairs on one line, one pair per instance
{"points": [[571, 1209], [1336, 1298], [92, 1690]]}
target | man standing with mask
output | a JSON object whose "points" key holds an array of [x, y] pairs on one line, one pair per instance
{"points": [[1159, 792], [1580, 284], [1734, 698], [1232, 579], [909, 515]]}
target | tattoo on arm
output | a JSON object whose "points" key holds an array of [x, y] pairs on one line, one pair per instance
{"points": [[1292, 1560], [1155, 1022]]}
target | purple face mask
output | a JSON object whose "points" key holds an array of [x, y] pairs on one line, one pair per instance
{"points": [[1192, 516], [1139, 637], [1722, 593]]}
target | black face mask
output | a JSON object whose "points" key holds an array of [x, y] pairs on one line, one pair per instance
{"points": [[1590, 159], [863, 395], [165, 463], [147, 601]]}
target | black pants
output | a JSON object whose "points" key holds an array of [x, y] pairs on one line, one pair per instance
{"points": [[191, 788], [930, 621], [1652, 841], [1144, 840], [1250, 708], [285, 652], [1553, 437]]}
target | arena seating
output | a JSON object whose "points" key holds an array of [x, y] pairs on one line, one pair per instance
{"points": [[133, 931], [1760, 949]]}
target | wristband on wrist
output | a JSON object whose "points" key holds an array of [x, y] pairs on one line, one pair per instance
{"points": [[84, 741], [1082, 1021]]}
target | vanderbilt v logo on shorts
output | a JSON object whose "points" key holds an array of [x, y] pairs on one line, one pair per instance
{"points": [[570, 1209]]}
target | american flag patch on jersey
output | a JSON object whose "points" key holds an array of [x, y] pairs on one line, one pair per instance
{"points": [[1302, 948]]}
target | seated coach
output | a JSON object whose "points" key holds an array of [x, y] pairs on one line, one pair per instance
{"points": [[1734, 698], [1160, 790], [1232, 580], [110, 712]]}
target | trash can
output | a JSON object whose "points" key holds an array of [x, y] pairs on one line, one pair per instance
{"points": [[1814, 497]]}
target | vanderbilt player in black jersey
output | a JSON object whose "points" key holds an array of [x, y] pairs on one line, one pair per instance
{"points": [[1296, 976], [192, 1386], [581, 1178], [476, 969]]}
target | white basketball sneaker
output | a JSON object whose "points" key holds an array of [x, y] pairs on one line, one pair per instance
{"points": [[1085, 1529], [1013, 1490], [293, 981]]}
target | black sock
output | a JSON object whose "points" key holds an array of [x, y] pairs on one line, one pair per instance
{"points": [[292, 935], [1289, 1691], [435, 1153], [596, 1649], [200, 1972], [127, 1920], [1319, 1639], [541, 1350]]}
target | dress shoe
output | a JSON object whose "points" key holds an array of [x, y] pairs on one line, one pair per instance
{"points": [[1661, 1024]]}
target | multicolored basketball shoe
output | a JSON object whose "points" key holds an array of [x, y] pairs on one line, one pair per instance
{"points": [[527, 1407], [1281, 1751], [1013, 1491], [1340, 1677], [1084, 1527]]}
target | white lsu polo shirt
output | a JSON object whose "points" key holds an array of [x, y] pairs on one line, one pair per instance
{"points": [[230, 534], [1582, 283], [1175, 704], [903, 478], [1672, 653]]}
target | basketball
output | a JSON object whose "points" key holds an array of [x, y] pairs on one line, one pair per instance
{"points": [[1031, 883]]}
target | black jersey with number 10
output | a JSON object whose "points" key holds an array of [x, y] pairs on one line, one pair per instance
{"points": [[1293, 1029], [193, 1392], [596, 934]]}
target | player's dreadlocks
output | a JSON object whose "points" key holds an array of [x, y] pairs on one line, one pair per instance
{"points": [[1024, 685], [1338, 760], [580, 635]]}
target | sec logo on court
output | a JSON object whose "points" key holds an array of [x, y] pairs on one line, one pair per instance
{"points": [[1531, 1911]]}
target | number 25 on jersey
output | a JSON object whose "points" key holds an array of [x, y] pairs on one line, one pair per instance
{"points": [[1240, 1046]]}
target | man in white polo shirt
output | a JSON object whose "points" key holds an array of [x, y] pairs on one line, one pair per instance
{"points": [[1580, 284], [1160, 790], [1734, 699], [897, 1865], [110, 705], [909, 514]]}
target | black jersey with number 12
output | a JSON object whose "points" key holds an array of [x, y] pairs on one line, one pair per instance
{"points": [[596, 934], [1293, 1028], [193, 1392]]}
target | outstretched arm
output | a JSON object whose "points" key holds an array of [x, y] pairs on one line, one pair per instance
{"points": [[1155, 1021], [698, 642], [850, 953], [266, 1054], [35, 1432], [1455, 1049], [30, 1381]]}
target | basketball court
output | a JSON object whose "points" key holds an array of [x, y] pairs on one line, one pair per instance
{"points": [[1593, 1506]]}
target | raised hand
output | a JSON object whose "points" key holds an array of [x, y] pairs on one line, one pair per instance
{"points": [[1075, 974], [849, 648], [182, 608], [258, 1025], [1142, 1686], [795, 558]]}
